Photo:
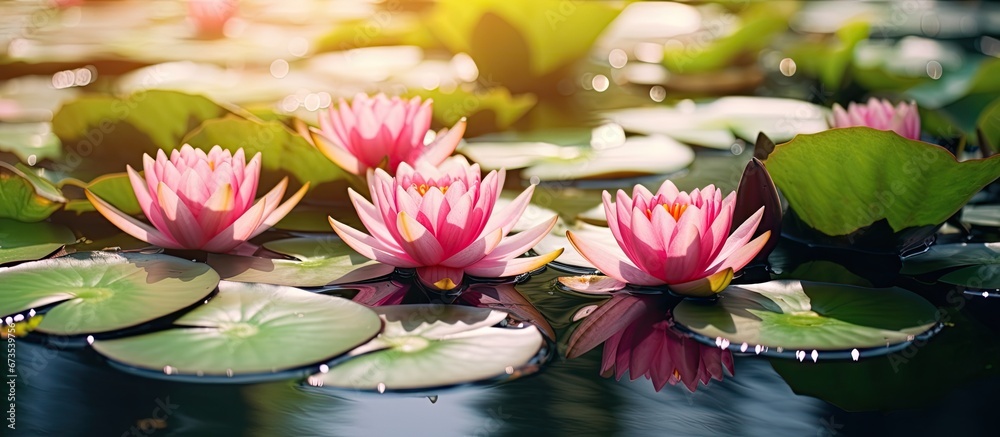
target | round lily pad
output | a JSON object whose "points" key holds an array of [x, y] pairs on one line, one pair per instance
{"points": [[248, 330], [99, 292], [432, 346], [30, 241], [809, 316], [980, 264], [318, 261]]}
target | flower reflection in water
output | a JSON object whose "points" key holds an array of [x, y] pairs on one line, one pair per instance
{"points": [[640, 339]]}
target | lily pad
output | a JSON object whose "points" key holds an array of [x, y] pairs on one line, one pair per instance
{"points": [[636, 156], [30, 241], [810, 316], [452, 106], [25, 196], [428, 346], [842, 180], [248, 330], [718, 123], [323, 260], [980, 264], [115, 188], [29, 141], [99, 292]]}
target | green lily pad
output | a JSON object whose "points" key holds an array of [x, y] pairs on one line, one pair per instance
{"points": [[282, 150], [842, 180], [636, 156], [99, 292], [989, 123], [810, 316], [25, 196], [30, 142], [30, 241], [95, 130], [979, 262], [718, 123], [115, 188], [428, 346], [249, 329], [322, 260]]}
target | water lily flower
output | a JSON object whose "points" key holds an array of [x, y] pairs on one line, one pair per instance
{"points": [[200, 201], [380, 132], [649, 347], [880, 114], [209, 17], [674, 238], [441, 221]]}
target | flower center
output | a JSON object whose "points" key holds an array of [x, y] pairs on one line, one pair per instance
{"points": [[423, 188], [675, 210]]}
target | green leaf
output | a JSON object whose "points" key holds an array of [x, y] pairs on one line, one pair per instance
{"points": [[980, 264], [505, 108], [429, 346], [319, 261], [989, 123], [30, 241], [760, 24], [800, 315], [98, 292], [27, 140], [555, 32], [115, 188], [283, 151], [249, 329], [102, 134], [25, 196], [842, 180]]}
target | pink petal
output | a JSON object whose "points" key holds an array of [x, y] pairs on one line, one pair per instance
{"points": [[498, 268], [611, 264], [475, 251], [281, 211], [181, 224], [445, 143], [439, 277], [239, 231], [371, 248], [742, 256], [738, 239], [130, 225], [517, 244], [707, 286], [417, 241]]}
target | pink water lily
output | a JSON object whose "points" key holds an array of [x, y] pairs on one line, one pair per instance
{"points": [[209, 17], [441, 221], [200, 201], [674, 238], [880, 114], [382, 132]]}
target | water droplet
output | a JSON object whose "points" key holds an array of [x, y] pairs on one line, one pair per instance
{"points": [[800, 355], [433, 399], [855, 354], [32, 159], [509, 370], [617, 58], [90, 339], [780, 349], [381, 387], [757, 349], [985, 294], [168, 370], [909, 338], [535, 180], [323, 368], [725, 343], [934, 70], [787, 67], [657, 93], [815, 355], [229, 373], [743, 347], [9, 320], [199, 373], [32, 313], [315, 381], [279, 68], [18, 318], [600, 83]]}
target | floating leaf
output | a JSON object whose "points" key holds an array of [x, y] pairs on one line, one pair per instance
{"points": [[319, 261], [248, 330], [979, 262], [96, 129], [842, 180], [717, 123], [634, 157], [428, 346], [29, 141], [25, 196], [282, 150], [989, 124], [115, 188], [798, 315], [99, 292], [30, 241]]}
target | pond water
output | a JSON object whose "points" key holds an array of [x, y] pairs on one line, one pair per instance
{"points": [[875, 313]]}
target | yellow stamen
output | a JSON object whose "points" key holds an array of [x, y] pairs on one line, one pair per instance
{"points": [[677, 375], [675, 210], [422, 188]]}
